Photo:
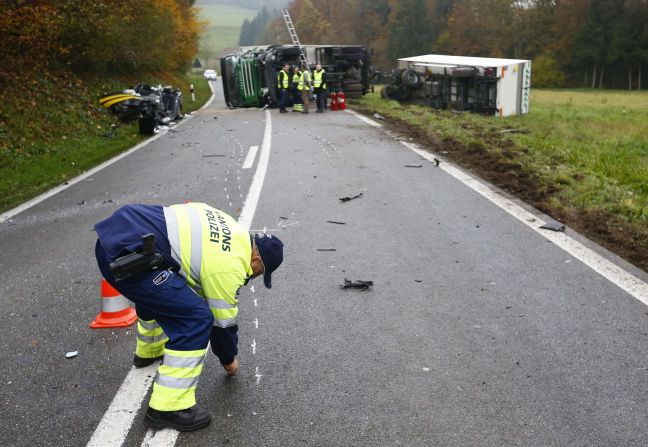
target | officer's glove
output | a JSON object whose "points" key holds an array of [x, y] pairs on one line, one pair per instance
{"points": [[232, 369]]}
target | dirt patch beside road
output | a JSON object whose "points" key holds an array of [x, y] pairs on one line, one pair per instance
{"points": [[499, 167]]}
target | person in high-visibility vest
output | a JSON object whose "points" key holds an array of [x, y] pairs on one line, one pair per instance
{"points": [[203, 256], [319, 86], [283, 84], [305, 87], [296, 94]]}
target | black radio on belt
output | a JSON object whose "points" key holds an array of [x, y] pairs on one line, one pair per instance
{"points": [[142, 261]]}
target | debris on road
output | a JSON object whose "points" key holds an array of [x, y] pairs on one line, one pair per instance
{"points": [[413, 166], [553, 226], [335, 222], [358, 284], [523, 130], [378, 116], [436, 161], [71, 354], [213, 155], [346, 199], [326, 249]]}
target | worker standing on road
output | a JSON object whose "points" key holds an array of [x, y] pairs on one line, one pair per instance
{"points": [[283, 84], [203, 256], [296, 94], [305, 87], [319, 84]]}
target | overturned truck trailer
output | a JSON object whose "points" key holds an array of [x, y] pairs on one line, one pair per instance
{"points": [[250, 76], [488, 86]]}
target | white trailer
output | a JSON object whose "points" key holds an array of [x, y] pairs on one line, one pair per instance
{"points": [[496, 86]]}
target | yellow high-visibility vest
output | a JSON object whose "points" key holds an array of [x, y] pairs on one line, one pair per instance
{"points": [[317, 79], [214, 254], [282, 79], [304, 81]]}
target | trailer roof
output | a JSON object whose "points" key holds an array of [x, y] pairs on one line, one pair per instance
{"points": [[441, 59]]}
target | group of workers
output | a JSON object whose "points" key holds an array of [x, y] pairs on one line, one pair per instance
{"points": [[296, 81]]}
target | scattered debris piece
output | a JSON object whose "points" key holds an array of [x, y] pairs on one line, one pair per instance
{"points": [[514, 131], [335, 222], [554, 226], [358, 284], [190, 144], [436, 162], [326, 249], [346, 199], [284, 218], [81, 203], [418, 280], [213, 155], [413, 166], [378, 116], [71, 354]]}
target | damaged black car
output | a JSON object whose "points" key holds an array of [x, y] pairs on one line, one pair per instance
{"points": [[151, 106]]}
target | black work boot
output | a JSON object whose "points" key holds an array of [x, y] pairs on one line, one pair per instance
{"points": [[141, 362], [189, 419]]}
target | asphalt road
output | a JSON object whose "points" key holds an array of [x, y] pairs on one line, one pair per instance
{"points": [[478, 331]]}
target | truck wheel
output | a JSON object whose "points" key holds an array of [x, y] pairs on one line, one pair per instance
{"points": [[147, 125], [410, 78], [385, 92]]}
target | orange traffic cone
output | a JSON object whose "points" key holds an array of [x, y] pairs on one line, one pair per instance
{"points": [[115, 311]]}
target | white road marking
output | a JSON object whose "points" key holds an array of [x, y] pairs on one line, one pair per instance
{"points": [[256, 323], [247, 214], [117, 420], [364, 118], [257, 375], [253, 346], [610, 271], [166, 437]]}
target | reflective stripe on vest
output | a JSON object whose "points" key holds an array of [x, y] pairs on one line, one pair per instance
{"points": [[283, 81], [295, 78], [186, 247], [317, 78]]}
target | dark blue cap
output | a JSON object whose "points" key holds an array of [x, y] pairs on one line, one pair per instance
{"points": [[271, 251]]}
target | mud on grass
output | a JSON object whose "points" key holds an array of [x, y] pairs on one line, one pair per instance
{"points": [[496, 159]]}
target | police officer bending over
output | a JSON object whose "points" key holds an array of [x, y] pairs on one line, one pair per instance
{"points": [[182, 266]]}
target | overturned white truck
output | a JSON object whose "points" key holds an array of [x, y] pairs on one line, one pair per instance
{"points": [[488, 86]]}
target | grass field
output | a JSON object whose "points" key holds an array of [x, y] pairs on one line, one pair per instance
{"points": [[38, 163], [223, 25], [581, 156]]}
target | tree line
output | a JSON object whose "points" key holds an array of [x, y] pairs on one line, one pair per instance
{"points": [[572, 43], [97, 37]]}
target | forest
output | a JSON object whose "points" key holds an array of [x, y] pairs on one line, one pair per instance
{"points": [[572, 43]]}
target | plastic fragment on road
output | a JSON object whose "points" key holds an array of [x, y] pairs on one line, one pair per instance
{"points": [[357, 284], [336, 222], [346, 199], [71, 354], [378, 116], [326, 249], [554, 226], [413, 166], [436, 161]]}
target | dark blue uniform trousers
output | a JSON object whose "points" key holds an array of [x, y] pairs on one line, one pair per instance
{"points": [[184, 316]]}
